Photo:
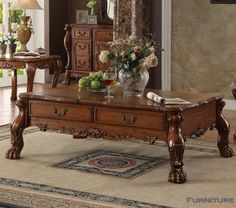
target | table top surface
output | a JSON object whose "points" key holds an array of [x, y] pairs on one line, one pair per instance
{"points": [[63, 94], [30, 58]]}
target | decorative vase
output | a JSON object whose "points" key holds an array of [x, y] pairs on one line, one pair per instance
{"points": [[133, 84], [3, 49], [92, 11], [24, 32], [11, 49]]}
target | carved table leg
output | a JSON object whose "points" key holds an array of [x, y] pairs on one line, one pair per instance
{"points": [[57, 72], [223, 130], [14, 85], [66, 80], [233, 89], [67, 45], [30, 70], [176, 150], [16, 129]]}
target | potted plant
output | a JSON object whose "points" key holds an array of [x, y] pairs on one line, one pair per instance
{"points": [[91, 5], [3, 46], [11, 38]]}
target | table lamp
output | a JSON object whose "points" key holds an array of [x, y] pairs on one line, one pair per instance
{"points": [[25, 29]]}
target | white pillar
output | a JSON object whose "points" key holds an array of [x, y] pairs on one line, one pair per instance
{"points": [[5, 14], [166, 44]]}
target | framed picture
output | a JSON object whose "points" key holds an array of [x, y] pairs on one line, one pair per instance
{"points": [[81, 16], [92, 19], [223, 1]]}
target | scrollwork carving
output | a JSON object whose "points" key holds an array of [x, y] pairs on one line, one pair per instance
{"points": [[7, 66], [93, 132], [42, 127], [150, 140], [65, 130]]}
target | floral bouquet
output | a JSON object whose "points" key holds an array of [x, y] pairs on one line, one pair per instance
{"points": [[132, 54]]}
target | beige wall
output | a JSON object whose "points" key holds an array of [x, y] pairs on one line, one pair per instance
{"points": [[203, 46]]}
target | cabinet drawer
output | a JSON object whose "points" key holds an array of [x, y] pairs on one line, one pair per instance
{"points": [[81, 33], [102, 34], [60, 111], [140, 119]]}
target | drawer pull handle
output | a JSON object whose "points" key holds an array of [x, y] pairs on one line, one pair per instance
{"points": [[59, 114], [82, 33], [82, 62], [131, 121], [82, 47]]}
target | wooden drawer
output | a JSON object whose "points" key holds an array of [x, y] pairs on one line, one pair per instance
{"points": [[60, 111], [82, 33], [102, 34], [140, 119]]}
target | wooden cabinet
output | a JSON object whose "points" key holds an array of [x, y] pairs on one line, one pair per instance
{"points": [[83, 44]]}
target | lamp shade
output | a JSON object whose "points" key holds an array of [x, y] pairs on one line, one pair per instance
{"points": [[25, 4]]}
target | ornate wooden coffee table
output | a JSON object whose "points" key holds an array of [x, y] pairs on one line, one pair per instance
{"points": [[89, 114], [31, 64]]}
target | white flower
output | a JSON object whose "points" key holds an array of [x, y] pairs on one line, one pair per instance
{"points": [[133, 56], [2, 28], [137, 49], [142, 65], [151, 61], [133, 37], [122, 53], [103, 57], [14, 27], [152, 49]]}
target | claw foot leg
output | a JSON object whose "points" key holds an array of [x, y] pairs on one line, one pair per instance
{"points": [[16, 129], [223, 131], [176, 150]]}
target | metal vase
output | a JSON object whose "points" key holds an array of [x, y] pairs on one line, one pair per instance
{"points": [[24, 32]]}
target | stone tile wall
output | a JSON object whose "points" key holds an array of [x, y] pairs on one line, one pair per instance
{"points": [[203, 46]]}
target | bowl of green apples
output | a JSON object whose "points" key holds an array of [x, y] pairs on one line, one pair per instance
{"points": [[94, 82]]}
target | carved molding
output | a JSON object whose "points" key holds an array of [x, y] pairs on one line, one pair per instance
{"points": [[6, 65], [65, 130], [42, 127], [93, 132]]}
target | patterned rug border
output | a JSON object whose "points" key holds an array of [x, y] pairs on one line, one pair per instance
{"points": [[150, 164], [78, 194]]}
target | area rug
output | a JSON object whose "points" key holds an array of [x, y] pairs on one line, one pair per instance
{"points": [[34, 181], [112, 163]]}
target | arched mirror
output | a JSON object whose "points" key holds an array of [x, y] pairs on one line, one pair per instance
{"points": [[107, 11]]}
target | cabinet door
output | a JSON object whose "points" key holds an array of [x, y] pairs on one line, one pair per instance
{"points": [[98, 47], [81, 52]]}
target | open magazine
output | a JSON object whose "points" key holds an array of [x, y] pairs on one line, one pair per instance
{"points": [[171, 101], [25, 54]]}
